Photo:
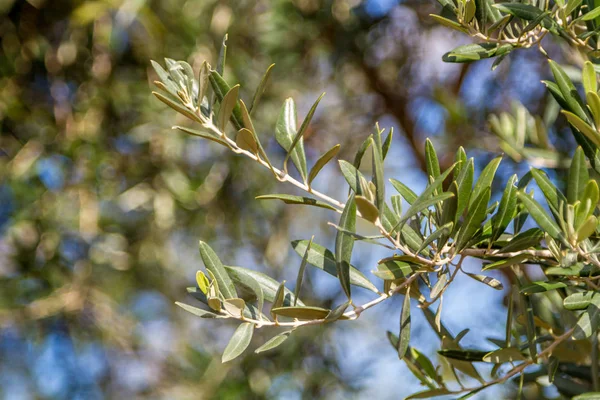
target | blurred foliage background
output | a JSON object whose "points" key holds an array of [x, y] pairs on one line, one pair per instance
{"points": [[102, 204]]}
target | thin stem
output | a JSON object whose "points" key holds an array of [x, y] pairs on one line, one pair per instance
{"points": [[352, 315], [519, 368], [281, 175]]}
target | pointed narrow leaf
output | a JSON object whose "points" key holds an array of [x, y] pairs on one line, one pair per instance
{"points": [[302, 313], [441, 231], [591, 15], [176, 106], [475, 217], [203, 82], [238, 342], [431, 160], [352, 175], [337, 312], [387, 143], [404, 338], [274, 342], [509, 354], [476, 51], [268, 285], [568, 91], [448, 23], [321, 162], [491, 282], [260, 89], [278, 299], [291, 199], [551, 192], [593, 102], [404, 191], [539, 215], [391, 270], [485, 179], [463, 355], [583, 127], [588, 75], [203, 134], [300, 277], [589, 321], [541, 286], [285, 132], [227, 105], [378, 175], [439, 286], [324, 259], [507, 262], [506, 210], [578, 176], [221, 88], [222, 56], [465, 186], [530, 326], [579, 301], [422, 204], [344, 244], [214, 265], [299, 136], [198, 311]]}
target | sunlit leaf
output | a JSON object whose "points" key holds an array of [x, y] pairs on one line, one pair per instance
{"points": [[344, 244], [485, 179], [221, 88], [268, 285], [589, 321], [509, 354], [274, 342], [324, 259], [286, 131], [474, 52], [540, 286], [214, 265], [198, 311], [322, 161], [300, 276], [506, 210], [539, 215], [588, 77], [378, 173], [291, 199], [352, 175], [475, 217], [404, 191], [228, 103], [578, 177], [404, 338], [302, 313], [579, 301], [238, 342], [491, 282]]}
